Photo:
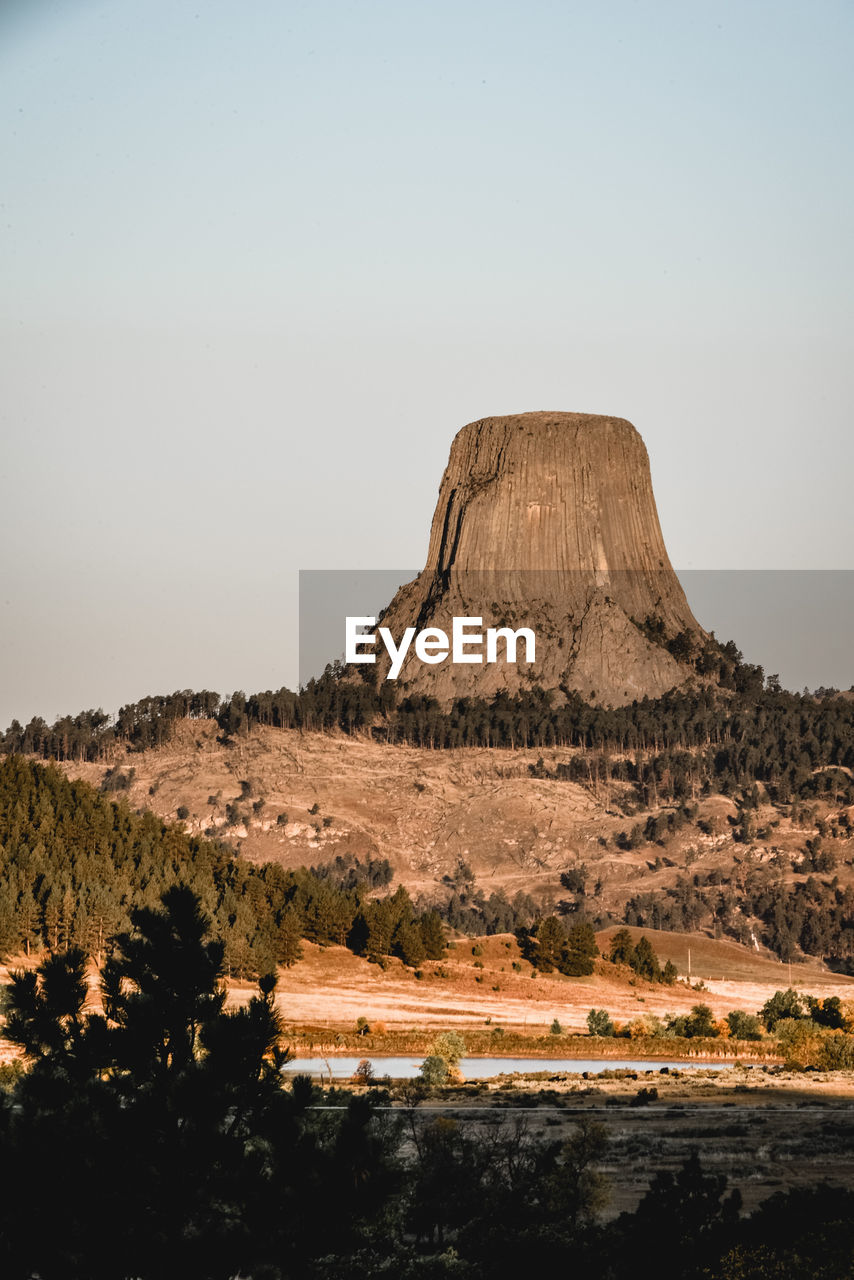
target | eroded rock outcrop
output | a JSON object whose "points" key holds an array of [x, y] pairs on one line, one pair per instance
{"points": [[548, 520]]}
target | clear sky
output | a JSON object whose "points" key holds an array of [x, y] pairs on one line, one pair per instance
{"points": [[259, 262]]}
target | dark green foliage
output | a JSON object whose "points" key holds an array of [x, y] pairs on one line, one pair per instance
{"points": [[827, 1013], [669, 752], [690, 1210], [743, 1026], [641, 957], [469, 911], [432, 935], [168, 1115], [75, 865], [575, 880], [599, 1023], [645, 961], [783, 1004], [349, 872], [701, 1022], [816, 917], [160, 987], [622, 947], [550, 945]]}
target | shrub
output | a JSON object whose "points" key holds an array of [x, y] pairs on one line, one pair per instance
{"points": [[434, 1071], [782, 1005], [556, 1029], [801, 1042], [115, 780], [701, 1022], [449, 1046], [599, 1023], [644, 1097], [837, 1052], [743, 1026]]}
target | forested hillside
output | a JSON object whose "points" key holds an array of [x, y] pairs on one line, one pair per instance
{"points": [[74, 864]]}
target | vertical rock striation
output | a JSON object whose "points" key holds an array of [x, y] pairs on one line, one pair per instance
{"points": [[548, 520]]}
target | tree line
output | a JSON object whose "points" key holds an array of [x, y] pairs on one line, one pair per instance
{"points": [[669, 749]]}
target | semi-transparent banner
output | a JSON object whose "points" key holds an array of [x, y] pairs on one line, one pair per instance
{"points": [[612, 635]]}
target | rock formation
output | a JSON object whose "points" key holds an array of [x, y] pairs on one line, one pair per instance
{"points": [[548, 520]]}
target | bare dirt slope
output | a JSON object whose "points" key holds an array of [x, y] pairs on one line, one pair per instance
{"points": [[302, 798], [324, 794]]}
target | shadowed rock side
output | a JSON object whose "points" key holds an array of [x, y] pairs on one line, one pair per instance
{"points": [[548, 520]]}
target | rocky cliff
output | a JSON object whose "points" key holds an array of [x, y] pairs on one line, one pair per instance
{"points": [[548, 520]]}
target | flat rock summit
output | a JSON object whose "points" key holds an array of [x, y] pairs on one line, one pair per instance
{"points": [[547, 520]]}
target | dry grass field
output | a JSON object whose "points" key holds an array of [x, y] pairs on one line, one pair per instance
{"points": [[485, 982]]}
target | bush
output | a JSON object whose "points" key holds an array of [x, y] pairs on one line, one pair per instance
{"points": [[599, 1023], [782, 1005], [434, 1071], [837, 1052], [827, 1013], [800, 1042], [115, 780], [556, 1029], [644, 1097], [701, 1022], [743, 1026], [449, 1046]]}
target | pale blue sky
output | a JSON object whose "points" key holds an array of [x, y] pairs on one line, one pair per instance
{"points": [[260, 262]]}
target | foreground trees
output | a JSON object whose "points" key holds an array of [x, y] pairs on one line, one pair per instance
{"points": [[157, 1141]]}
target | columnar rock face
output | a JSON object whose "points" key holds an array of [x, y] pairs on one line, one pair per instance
{"points": [[548, 520]]}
